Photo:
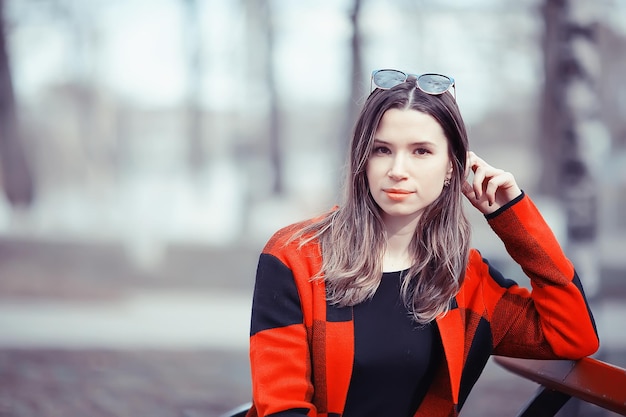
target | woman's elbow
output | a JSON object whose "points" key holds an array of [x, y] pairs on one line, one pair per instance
{"points": [[578, 349]]}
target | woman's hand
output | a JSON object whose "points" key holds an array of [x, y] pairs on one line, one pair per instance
{"points": [[490, 188]]}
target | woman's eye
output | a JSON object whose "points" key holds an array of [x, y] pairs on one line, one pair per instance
{"points": [[381, 150], [422, 151]]}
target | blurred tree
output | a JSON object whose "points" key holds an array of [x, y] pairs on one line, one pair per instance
{"points": [[552, 93], [356, 77], [17, 179], [194, 86], [572, 131], [570, 112], [261, 70], [80, 21], [275, 141]]}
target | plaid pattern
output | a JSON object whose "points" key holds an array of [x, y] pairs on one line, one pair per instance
{"points": [[301, 348]]}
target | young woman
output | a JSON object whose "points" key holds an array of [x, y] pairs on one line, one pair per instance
{"points": [[379, 307]]}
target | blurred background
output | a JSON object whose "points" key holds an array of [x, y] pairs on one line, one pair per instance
{"points": [[149, 148]]}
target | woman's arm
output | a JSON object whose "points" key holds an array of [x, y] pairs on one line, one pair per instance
{"points": [[555, 314], [556, 311], [279, 350]]}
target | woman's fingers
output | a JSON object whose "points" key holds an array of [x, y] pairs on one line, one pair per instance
{"points": [[483, 173], [501, 181], [490, 187]]}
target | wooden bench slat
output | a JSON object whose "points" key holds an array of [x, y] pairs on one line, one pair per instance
{"points": [[589, 379]]}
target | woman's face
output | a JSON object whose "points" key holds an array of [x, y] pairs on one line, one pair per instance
{"points": [[408, 164]]}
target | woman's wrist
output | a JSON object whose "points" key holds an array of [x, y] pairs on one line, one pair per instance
{"points": [[505, 207]]}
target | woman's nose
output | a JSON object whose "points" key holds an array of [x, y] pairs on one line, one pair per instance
{"points": [[397, 170]]}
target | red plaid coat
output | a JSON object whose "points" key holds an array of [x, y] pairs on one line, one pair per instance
{"points": [[302, 348]]}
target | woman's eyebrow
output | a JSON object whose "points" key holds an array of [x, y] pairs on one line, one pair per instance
{"points": [[417, 143]]}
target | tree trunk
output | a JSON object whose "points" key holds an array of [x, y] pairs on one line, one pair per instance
{"points": [[195, 128], [275, 142], [571, 129], [356, 78], [570, 114], [16, 179]]}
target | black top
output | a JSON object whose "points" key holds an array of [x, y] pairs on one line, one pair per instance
{"points": [[394, 357]]}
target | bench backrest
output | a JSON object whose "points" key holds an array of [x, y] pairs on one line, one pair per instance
{"points": [[588, 379]]}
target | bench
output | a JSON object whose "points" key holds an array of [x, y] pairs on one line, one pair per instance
{"points": [[587, 379]]}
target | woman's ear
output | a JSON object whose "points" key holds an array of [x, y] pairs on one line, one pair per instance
{"points": [[448, 178], [450, 170]]}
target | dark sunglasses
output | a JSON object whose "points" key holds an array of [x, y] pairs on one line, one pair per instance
{"points": [[434, 84]]}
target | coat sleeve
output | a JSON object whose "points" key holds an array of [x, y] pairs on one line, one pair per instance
{"points": [[279, 350], [551, 321]]}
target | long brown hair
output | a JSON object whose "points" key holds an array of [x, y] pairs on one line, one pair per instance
{"points": [[353, 238]]}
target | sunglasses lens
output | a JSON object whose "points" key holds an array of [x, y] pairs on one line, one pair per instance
{"points": [[388, 78], [434, 83]]}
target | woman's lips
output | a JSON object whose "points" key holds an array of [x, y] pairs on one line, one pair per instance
{"points": [[397, 194]]}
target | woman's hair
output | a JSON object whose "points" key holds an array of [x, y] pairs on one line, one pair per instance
{"points": [[352, 238]]}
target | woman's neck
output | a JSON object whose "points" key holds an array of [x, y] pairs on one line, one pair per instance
{"points": [[399, 236]]}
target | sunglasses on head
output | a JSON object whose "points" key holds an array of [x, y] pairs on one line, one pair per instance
{"points": [[433, 84]]}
